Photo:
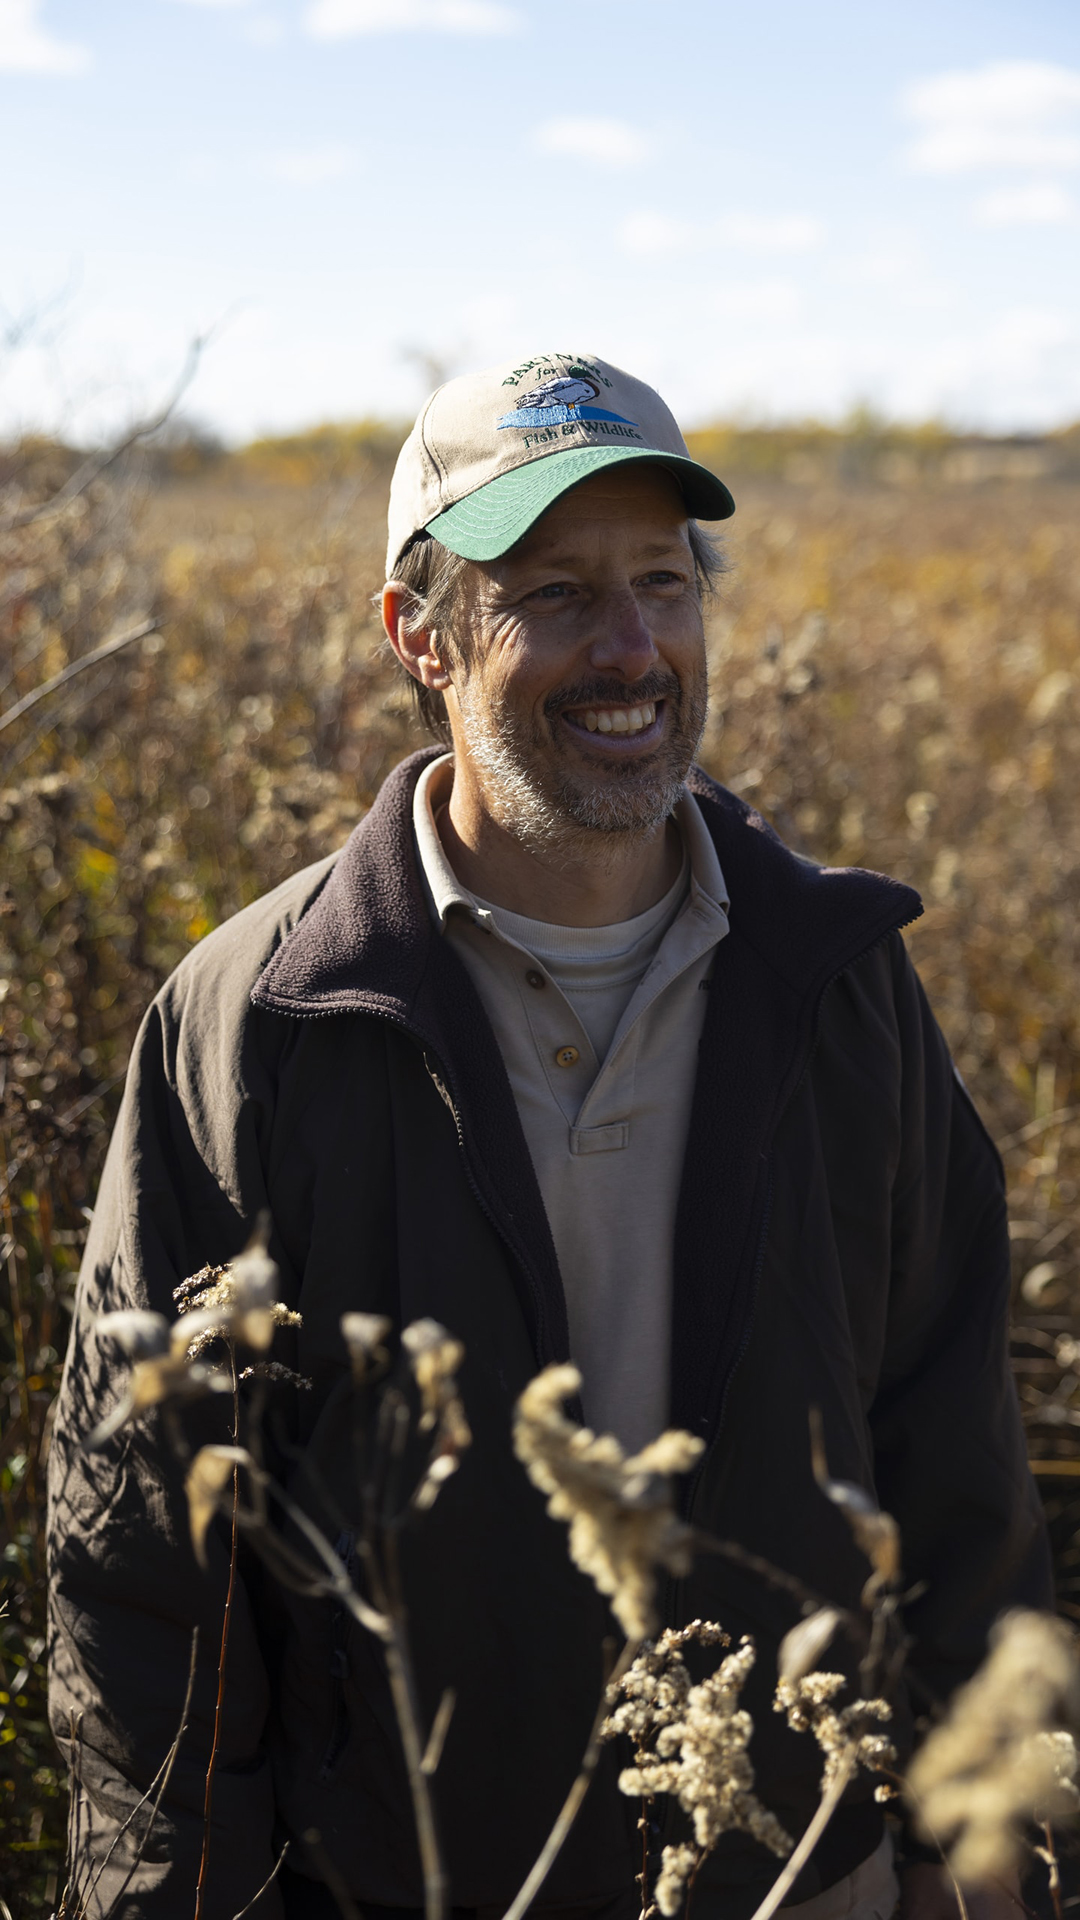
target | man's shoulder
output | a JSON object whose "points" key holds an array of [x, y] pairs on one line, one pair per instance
{"points": [[807, 921], [225, 965]]}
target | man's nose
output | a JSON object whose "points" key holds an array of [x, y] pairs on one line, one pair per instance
{"points": [[623, 642]]}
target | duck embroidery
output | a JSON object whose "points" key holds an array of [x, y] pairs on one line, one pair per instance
{"points": [[561, 401]]}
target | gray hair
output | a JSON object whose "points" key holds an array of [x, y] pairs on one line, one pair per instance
{"points": [[436, 582]]}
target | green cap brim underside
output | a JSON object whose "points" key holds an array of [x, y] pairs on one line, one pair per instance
{"points": [[487, 523]]}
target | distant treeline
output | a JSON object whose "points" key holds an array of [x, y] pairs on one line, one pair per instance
{"points": [[863, 447]]}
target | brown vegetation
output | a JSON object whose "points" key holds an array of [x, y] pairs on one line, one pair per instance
{"points": [[896, 675]]}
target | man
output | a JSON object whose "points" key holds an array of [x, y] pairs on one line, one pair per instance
{"points": [[567, 1050]]}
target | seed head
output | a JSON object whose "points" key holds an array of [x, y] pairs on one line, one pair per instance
{"points": [[622, 1524], [999, 1760]]}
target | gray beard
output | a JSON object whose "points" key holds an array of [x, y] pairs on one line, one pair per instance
{"points": [[558, 816]]}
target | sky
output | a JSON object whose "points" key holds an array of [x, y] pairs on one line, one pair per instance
{"points": [[771, 211]]}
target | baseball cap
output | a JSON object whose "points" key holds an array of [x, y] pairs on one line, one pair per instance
{"points": [[491, 451]]}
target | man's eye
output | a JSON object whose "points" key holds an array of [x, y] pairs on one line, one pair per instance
{"points": [[554, 590], [663, 577]]}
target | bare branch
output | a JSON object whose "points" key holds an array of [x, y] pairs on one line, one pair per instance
{"points": [[568, 1812], [98, 463], [160, 1781], [440, 1727], [219, 1707], [792, 1868], [267, 1883], [80, 665], [339, 1892], [774, 1576]]}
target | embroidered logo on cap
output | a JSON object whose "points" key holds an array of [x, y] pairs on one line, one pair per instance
{"points": [[561, 402]]}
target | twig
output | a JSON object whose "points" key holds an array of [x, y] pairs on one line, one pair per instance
{"points": [[403, 1692], [127, 1823], [337, 1580], [827, 1806], [82, 1106], [1053, 1869], [904, 1786], [1033, 1127], [407, 1709], [388, 1625], [643, 1823], [774, 1576], [338, 1890], [166, 1774], [75, 666], [219, 1705], [568, 1812], [268, 1882], [439, 1728], [74, 1808], [88, 472]]}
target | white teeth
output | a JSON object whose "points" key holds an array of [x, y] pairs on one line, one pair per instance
{"points": [[619, 719]]}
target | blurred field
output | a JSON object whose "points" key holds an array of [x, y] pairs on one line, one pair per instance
{"points": [[896, 674]]}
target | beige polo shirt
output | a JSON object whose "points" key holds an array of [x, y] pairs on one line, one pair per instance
{"points": [[599, 1030]]}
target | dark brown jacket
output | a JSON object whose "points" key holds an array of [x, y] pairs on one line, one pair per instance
{"points": [[840, 1242]]}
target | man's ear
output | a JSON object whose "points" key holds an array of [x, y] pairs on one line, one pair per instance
{"points": [[417, 650]]}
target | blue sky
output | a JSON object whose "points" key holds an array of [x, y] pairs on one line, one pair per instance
{"points": [[769, 210]]}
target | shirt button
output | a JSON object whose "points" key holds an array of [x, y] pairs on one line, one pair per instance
{"points": [[566, 1056], [535, 979]]}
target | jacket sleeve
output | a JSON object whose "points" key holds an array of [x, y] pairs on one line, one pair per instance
{"points": [[951, 1460], [126, 1593]]}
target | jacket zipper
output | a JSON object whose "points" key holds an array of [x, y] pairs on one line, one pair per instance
{"points": [[444, 1087]]}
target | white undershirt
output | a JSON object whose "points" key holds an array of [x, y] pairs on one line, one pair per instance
{"points": [[597, 968], [598, 1028]]}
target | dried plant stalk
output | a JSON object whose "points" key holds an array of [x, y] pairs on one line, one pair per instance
{"points": [[622, 1523], [1003, 1756]]}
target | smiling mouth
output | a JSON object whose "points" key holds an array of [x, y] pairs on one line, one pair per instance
{"points": [[620, 720]]}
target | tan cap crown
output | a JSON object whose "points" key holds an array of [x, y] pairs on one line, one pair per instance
{"points": [[491, 450]]}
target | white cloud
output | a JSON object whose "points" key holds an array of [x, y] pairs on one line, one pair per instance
{"points": [[214, 3], [1043, 205], [28, 47], [652, 233], [609, 143], [307, 166], [1011, 113], [342, 19]]}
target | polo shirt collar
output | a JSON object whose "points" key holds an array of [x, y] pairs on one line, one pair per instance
{"points": [[708, 888]]}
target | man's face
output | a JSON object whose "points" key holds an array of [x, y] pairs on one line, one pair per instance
{"points": [[583, 697]]}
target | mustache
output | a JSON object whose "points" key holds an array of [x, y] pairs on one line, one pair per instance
{"points": [[610, 692]]}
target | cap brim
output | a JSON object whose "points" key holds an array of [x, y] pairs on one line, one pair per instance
{"points": [[490, 521]]}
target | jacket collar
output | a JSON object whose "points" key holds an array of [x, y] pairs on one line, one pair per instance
{"points": [[365, 942]]}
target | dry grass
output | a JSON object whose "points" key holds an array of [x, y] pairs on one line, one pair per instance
{"points": [[897, 683]]}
